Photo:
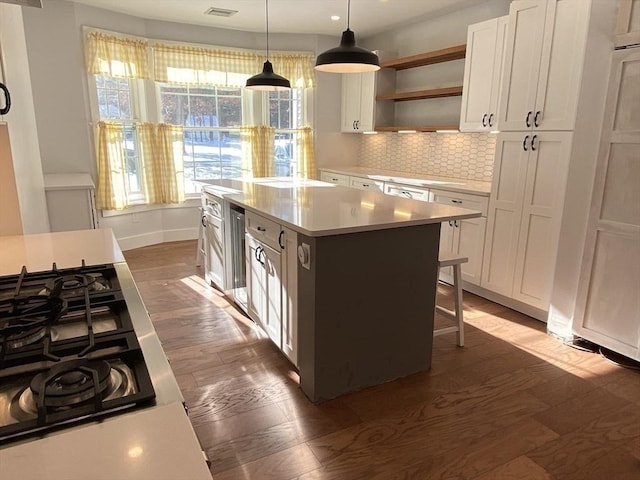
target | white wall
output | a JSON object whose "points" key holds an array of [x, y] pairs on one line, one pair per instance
{"points": [[21, 122]]}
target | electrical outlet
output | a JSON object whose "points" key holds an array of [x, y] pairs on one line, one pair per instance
{"points": [[304, 256]]}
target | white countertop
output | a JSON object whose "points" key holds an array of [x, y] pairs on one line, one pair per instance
{"points": [[316, 208], [156, 444], [67, 249], [474, 187], [153, 441]]}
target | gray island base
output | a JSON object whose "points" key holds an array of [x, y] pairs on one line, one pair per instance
{"points": [[366, 308]]}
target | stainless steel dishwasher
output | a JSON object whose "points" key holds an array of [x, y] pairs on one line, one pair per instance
{"points": [[238, 290]]}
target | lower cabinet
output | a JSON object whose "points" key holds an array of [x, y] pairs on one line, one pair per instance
{"points": [[464, 237], [337, 178], [523, 223], [271, 273]]}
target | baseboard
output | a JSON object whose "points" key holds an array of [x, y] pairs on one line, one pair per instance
{"points": [[153, 238]]}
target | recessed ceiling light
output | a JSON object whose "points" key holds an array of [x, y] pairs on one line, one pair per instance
{"points": [[335, 18], [220, 12]]}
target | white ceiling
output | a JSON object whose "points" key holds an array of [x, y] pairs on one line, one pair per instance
{"points": [[368, 17]]}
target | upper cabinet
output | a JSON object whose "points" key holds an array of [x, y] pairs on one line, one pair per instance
{"points": [[544, 53], [482, 75], [358, 101]]}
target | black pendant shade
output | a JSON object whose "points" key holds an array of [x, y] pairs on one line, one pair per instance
{"points": [[347, 57], [267, 80]]}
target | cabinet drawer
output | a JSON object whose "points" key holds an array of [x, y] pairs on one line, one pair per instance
{"points": [[464, 200], [336, 178], [414, 193], [365, 183], [212, 205], [263, 229]]}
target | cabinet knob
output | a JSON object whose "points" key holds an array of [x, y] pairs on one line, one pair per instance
{"points": [[456, 201], [261, 229]]}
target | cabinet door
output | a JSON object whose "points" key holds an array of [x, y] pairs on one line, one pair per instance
{"points": [[505, 212], [272, 320], [214, 250], [608, 304], [561, 64], [522, 61], [547, 168], [290, 295], [367, 101], [469, 241], [484, 46], [351, 91], [255, 275]]}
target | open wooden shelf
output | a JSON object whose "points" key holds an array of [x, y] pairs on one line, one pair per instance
{"points": [[417, 128], [422, 94], [428, 58]]}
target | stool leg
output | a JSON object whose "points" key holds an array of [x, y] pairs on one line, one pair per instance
{"points": [[457, 281]]}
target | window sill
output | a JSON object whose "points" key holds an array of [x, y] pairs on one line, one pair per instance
{"points": [[192, 200]]}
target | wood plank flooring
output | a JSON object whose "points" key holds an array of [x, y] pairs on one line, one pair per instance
{"points": [[513, 403]]}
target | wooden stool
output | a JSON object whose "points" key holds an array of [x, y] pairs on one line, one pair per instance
{"points": [[448, 259]]}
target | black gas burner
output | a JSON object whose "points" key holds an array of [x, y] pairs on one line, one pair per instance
{"points": [[68, 350]]}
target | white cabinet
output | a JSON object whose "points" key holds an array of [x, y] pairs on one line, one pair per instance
{"points": [[272, 281], [358, 102], [337, 178], [525, 209], [544, 53], [264, 287], [482, 75], [608, 305], [463, 237], [70, 201], [400, 190], [213, 241], [365, 183]]}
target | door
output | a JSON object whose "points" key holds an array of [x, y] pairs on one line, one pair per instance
{"points": [[272, 318], [351, 87], [470, 243], [505, 212], [290, 295], [256, 279], [482, 75], [214, 250], [522, 63], [608, 305], [543, 199]]}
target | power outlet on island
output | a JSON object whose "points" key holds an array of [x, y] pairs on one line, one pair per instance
{"points": [[304, 256]]}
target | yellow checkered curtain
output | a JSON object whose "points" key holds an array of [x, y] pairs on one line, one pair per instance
{"points": [[258, 145], [111, 192], [165, 180], [296, 67], [305, 153], [116, 56]]}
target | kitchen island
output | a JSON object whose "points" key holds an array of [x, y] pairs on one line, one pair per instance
{"points": [[365, 278], [153, 440]]}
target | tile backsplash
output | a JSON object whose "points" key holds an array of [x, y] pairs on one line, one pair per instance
{"points": [[459, 155]]}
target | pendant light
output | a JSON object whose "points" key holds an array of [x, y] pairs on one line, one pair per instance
{"points": [[267, 80], [347, 57]]}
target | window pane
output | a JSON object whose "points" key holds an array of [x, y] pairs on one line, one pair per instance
{"points": [[230, 110], [132, 166], [124, 104], [231, 155], [202, 111], [283, 155]]}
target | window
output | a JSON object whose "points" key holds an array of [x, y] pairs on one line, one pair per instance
{"points": [[286, 113], [211, 117], [115, 97]]}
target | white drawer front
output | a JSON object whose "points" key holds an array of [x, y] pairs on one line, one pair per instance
{"points": [[263, 229], [212, 205], [414, 193], [336, 178], [366, 184], [464, 200]]}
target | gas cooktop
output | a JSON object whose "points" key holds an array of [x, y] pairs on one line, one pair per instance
{"points": [[68, 350]]}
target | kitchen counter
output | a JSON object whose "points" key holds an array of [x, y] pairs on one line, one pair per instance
{"points": [[155, 440], [366, 288], [430, 181], [317, 209]]}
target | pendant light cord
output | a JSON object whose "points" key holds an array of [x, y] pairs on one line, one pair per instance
{"points": [[348, 13], [267, 15]]}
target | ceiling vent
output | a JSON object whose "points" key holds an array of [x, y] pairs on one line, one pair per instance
{"points": [[220, 12]]}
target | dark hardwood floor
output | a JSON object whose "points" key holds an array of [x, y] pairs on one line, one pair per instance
{"points": [[513, 403]]}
